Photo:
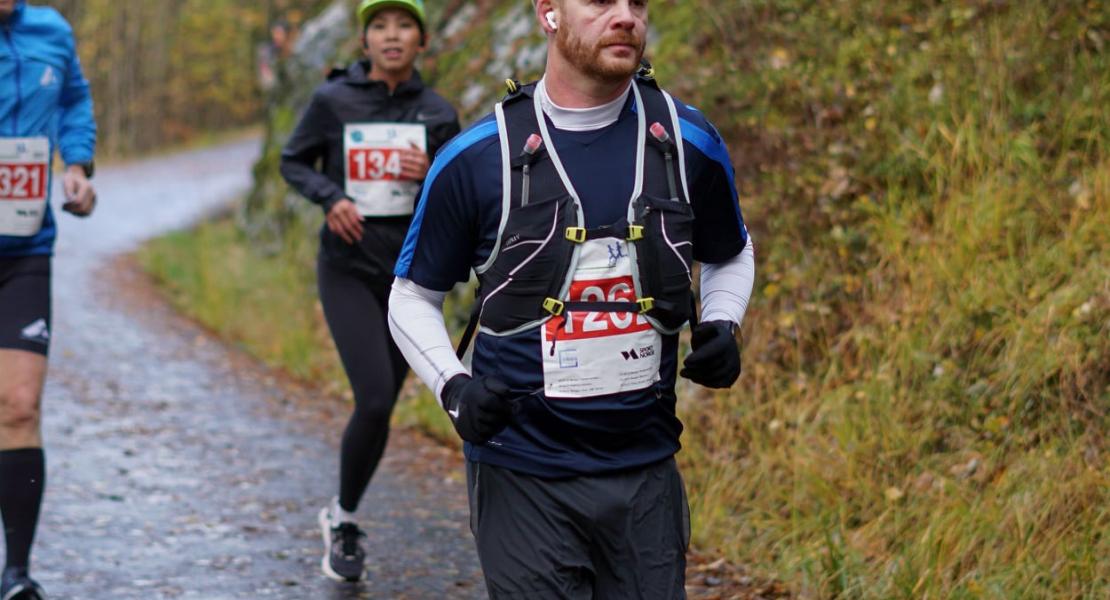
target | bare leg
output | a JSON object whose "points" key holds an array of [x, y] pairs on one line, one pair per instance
{"points": [[22, 375]]}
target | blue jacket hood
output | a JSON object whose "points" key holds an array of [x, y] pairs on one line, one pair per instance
{"points": [[18, 12]]}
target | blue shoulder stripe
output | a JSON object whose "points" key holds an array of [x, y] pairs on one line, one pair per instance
{"points": [[449, 152], [715, 149], [712, 147]]}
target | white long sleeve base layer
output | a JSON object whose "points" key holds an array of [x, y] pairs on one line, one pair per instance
{"points": [[416, 316]]}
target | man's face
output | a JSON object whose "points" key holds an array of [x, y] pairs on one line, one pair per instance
{"points": [[393, 39], [7, 7], [605, 39]]}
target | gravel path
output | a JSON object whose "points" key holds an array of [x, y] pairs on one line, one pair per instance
{"points": [[177, 468]]}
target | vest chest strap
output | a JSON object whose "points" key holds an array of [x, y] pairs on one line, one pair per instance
{"points": [[581, 235], [558, 308]]}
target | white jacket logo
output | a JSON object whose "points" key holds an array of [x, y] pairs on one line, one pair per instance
{"points": [[48, 79]]}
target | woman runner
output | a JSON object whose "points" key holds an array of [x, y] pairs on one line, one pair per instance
{"points": [[371, 128]]}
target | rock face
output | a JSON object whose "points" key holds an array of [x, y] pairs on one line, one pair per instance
{"points": [[272, 209]]}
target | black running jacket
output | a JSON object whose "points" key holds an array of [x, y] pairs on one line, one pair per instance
{"points": [[312, 160]]}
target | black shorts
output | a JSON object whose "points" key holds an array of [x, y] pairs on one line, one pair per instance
{"points": [[620, 536], [25, 304]]}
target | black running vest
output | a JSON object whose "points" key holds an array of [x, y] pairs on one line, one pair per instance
{"points": [[527, 277]]}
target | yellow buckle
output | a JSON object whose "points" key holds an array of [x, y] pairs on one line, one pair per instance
{"points": [[554, 306], [635, 232], [646, 304], [511, 86], [576, 234]]}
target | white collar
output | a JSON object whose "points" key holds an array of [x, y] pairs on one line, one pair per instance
{"points": [[582, 119]]}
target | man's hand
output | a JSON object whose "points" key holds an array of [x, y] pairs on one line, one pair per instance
{"points": [[344, 221], [414, 163], [715, 359], [80, 195], [479, 408]]}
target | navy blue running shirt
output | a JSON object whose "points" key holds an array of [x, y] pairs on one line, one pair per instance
{"points": [[454, 231]]}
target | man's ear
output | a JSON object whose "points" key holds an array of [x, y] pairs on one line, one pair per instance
{"points": [[547, 16]]}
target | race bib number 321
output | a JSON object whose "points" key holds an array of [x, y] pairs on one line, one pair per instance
{"points": [[373, 166], [24, 183]]}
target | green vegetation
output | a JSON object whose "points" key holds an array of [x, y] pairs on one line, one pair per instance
{"points": [[926, 398], [163, 72], [267, 304]]}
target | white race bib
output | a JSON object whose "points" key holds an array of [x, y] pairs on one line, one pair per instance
{"points": [[373, 166], [24, 184], [588, 354]]}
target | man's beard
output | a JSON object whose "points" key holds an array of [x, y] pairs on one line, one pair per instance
{"points": [[588, 58]]}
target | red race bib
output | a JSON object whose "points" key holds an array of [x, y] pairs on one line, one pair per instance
{"points": [[588, 354], [24, 184], [373, 166]]}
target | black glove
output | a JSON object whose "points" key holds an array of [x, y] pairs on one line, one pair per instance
{"points": [[715, 360], [479, 408]]}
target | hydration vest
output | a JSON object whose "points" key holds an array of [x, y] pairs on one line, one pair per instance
{"points": [[527, 278]]}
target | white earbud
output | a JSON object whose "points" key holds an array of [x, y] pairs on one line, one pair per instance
{"points": [[551, 20]]}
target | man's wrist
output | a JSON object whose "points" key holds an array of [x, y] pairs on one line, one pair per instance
{"points": [[85, 168], [451, 388], [723, 324]]}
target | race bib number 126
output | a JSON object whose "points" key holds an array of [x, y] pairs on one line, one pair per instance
{"points": [[589, 354], [24, 183]]}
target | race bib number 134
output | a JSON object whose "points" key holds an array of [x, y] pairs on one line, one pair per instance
{"points": [[373, 166], [24, 183]]}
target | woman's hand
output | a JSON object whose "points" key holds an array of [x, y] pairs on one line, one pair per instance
{"points": [[344, 221], [414, 164]]}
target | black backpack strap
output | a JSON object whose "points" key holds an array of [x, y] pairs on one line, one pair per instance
{"points": [[646, 74], [693, 309], [656, 110], [471, 327], [521, 124]]}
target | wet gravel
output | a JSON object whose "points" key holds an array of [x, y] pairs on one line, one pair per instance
{"points": [[177, 468]]}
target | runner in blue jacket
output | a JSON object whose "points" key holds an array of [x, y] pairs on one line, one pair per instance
{"points": [[45, 107]]}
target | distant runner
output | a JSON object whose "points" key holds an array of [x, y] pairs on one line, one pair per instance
{"points": [[581, 204], [45, 106], [373, 128]]}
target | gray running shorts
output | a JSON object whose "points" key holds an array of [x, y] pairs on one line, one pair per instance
{"points": [[598, 537]]}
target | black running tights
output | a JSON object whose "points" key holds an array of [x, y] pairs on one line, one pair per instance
{"points": [[355, 309]]}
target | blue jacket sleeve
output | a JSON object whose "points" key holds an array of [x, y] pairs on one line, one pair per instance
{"points": [[76, 124]]}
